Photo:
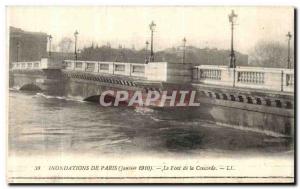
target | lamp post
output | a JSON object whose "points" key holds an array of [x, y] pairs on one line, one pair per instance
{"points": [[289, 66], [183, 55], [232, 18], [146, 52], [49, 39], [152, 28], [18, 47], [75, 35]]}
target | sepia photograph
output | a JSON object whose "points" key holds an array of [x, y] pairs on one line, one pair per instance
{"points": [[150, 94]]}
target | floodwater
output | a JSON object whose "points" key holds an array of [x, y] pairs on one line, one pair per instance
{"points": [[39, 124]]}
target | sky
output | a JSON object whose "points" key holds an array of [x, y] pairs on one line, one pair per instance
{"points": [[201, 26]]}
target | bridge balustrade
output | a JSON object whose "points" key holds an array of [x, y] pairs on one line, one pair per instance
{"points": [[36, 65], [288, 80], [105, 67], [215, 75], [29, 65], [211, 74], [137, 70], [26, 65], [251, 77], [79, 66], [277, 79], [45, 63], [115, 68]]}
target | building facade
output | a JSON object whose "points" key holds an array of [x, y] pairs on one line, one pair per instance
{"points": [[26, 46]]}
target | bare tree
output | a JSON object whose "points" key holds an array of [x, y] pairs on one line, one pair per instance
{"points": [[269, 54], [65, 44]]}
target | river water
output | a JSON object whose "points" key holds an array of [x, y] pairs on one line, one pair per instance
{"points": [[39, 124]]}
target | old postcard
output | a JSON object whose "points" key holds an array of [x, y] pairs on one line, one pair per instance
{"points": [[141, 94]]}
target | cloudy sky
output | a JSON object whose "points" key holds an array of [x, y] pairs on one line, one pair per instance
{"points": [[202, 26]]}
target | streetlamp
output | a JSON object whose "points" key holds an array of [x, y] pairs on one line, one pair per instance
{"points": [[289, 66], [152, 28], [232, 19], [183, 56], [49, 39], [18, 47], [146, 51], [75, 35]]}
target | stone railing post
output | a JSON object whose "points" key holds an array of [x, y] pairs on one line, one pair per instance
{"points": [[281, 86]]}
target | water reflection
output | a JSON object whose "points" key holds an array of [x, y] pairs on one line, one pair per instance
{"points": [[39, 124]]}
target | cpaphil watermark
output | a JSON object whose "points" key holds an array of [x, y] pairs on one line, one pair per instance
{"points": [[151, 98]]}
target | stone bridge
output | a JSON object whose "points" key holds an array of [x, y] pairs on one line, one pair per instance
{"points": [[251, 98], [36, 76]]}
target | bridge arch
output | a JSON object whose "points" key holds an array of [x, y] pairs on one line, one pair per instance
{"points": [[95, 98], [107, 99], [30, 87]]}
